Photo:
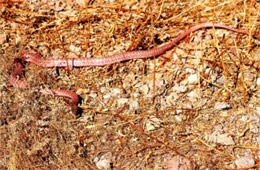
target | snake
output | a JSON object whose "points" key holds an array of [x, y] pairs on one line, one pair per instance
{"points": [[35, 58]]}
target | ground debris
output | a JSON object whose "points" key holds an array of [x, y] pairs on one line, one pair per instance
{"points": [[199, 101]]}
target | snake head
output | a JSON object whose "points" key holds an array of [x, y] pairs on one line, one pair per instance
{"points": [[29, 57], [23, 55]]}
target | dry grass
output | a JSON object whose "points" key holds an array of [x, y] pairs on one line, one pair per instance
{"points": [[134, 114]]}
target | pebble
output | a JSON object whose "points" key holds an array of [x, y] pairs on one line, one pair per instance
{"points": [[199, 36], [178, 118], [254, 118], [257, 140], [244, 118], [133, 105], [171, 98], [221, 106], [244, 161], [220, 137], [221, 80], [193, 78], [179, 163], [116, 91], [106, 98], [258, 81], [75, 49], [195, 61], [190, 70], [122, 101], [257, 56], [102, 89], [254, 129], [152, 123], [180, 88], [179, 52], [175, 57], [193, 95], [225, 139], [258, 110], [103, 162], [81, 91], [198, 54], [248, 76], [144, 89]]}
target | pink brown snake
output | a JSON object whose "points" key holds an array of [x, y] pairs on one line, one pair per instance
{"points": [[87, 62]]}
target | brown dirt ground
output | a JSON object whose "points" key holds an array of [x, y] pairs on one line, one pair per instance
{"points": [[200, 100]]}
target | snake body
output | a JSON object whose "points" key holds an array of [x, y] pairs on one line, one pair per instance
{"points": [[35, 58]]}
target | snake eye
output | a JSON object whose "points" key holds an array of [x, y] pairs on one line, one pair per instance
{"points": [[27, 57]]}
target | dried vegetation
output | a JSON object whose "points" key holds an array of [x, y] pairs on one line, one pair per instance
{"points": [[198, 103]]}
